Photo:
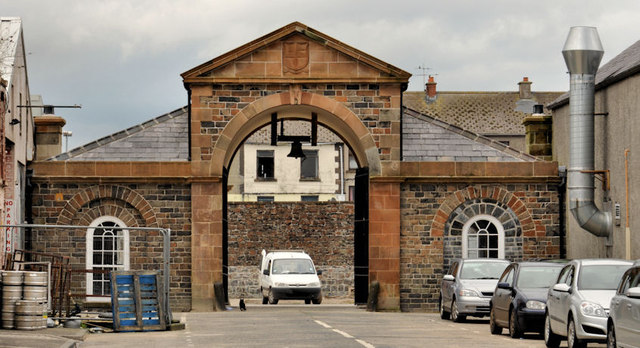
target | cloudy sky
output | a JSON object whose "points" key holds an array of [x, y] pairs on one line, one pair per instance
{"points": [[122, 60]]}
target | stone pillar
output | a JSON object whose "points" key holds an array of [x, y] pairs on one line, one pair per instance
{"points": [[48, 137], [538, 128], [206, 243], [384, 242]]}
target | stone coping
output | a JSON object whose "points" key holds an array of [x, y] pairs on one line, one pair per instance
{"points": [[408, 170]]}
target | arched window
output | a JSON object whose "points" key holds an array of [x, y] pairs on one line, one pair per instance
{"points": [[483, 237], [107, 249]]}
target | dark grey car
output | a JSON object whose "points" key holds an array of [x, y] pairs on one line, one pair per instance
{"points": [[468, 286]]}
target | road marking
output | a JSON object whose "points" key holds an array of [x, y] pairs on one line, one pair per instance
{"points": [[322, 324], [327, 326], [365, 343], [343, 333]]}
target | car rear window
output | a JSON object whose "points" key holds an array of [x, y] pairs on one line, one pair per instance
{"points": [[482, 270], [292, 266], [537, 277], [601, 277]]}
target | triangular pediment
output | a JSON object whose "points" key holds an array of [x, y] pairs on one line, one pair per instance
{"points": [[295, 53]]}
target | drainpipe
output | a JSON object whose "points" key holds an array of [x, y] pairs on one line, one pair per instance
{"points": [[582, 53]]}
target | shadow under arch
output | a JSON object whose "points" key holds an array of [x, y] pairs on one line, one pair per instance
{"points": [[331, 114]]}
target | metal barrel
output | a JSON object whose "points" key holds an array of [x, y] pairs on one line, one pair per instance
{"points": [[30, 315], [37, 293], [10, 295], [35, 278], [7, 320], [12, 277]]}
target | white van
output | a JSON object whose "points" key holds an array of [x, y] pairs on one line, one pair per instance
{"points": [[289, 275]]}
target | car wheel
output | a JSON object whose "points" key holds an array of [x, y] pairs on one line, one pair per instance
{"points": [[455, 313], [514, 328], [443, 313], [307, 301], [493, 326], [551, 340], [572, 340], [272, 299], [611, 336]]}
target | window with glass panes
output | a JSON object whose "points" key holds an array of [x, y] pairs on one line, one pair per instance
{"points": [[107, 249], [483, 237]]}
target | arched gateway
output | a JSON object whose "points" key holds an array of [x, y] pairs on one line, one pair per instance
{"points": [[297, 73], [426, 191]]}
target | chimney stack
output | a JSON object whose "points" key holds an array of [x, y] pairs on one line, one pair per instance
{"points": [[430, 88], [525, 88], [48, 137]]}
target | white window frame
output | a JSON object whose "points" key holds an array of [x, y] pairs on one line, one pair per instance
{"points": [[494, 221], [89, 257]]}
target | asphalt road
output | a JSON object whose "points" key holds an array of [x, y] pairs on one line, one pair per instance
{"points": [[299, 325]]}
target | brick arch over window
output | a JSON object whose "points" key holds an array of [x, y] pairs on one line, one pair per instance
{"points": [[98, 192], [108, 208], [332, 114], [514, 215]]}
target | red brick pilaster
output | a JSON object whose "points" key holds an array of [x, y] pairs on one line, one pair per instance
{"points": [[384, 242]]}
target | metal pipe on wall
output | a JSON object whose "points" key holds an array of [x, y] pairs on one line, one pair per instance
{"points": [[627, 230], [582, 53]]}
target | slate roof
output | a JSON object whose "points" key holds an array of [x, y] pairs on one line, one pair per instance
{"points": [[429, 139], [623, 65], [163, 138], [486, 113]]}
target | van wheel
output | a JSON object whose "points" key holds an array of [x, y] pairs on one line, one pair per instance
{"points": [[265, 299], [317, 300], [272, 299]]}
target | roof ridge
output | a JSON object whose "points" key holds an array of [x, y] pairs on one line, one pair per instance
{"points": [[119, 135], [479, 138]]}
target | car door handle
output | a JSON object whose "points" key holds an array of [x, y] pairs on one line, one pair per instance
{"points": [[629, 306]]}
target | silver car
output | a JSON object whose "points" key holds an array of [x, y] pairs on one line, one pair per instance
{"points": [[578, 304], [468, 286], [623, 329]]}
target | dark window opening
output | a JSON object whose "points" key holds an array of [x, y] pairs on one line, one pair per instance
{"points": [[265, 164], [309, 198], [265, 198], [309, 165]]}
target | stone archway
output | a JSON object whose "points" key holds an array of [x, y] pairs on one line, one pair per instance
{"points": [[295, 71]]}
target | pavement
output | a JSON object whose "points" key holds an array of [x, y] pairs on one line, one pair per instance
{"points": [[50, 337]]}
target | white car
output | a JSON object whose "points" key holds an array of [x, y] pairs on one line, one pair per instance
{"points": [[578, 304], [623, 329], [289, 275]]}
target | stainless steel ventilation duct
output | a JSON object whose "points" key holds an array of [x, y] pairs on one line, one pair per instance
{"points": [[582, 53]]}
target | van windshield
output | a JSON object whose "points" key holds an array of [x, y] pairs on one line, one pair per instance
{"points": [[292, 266]]}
